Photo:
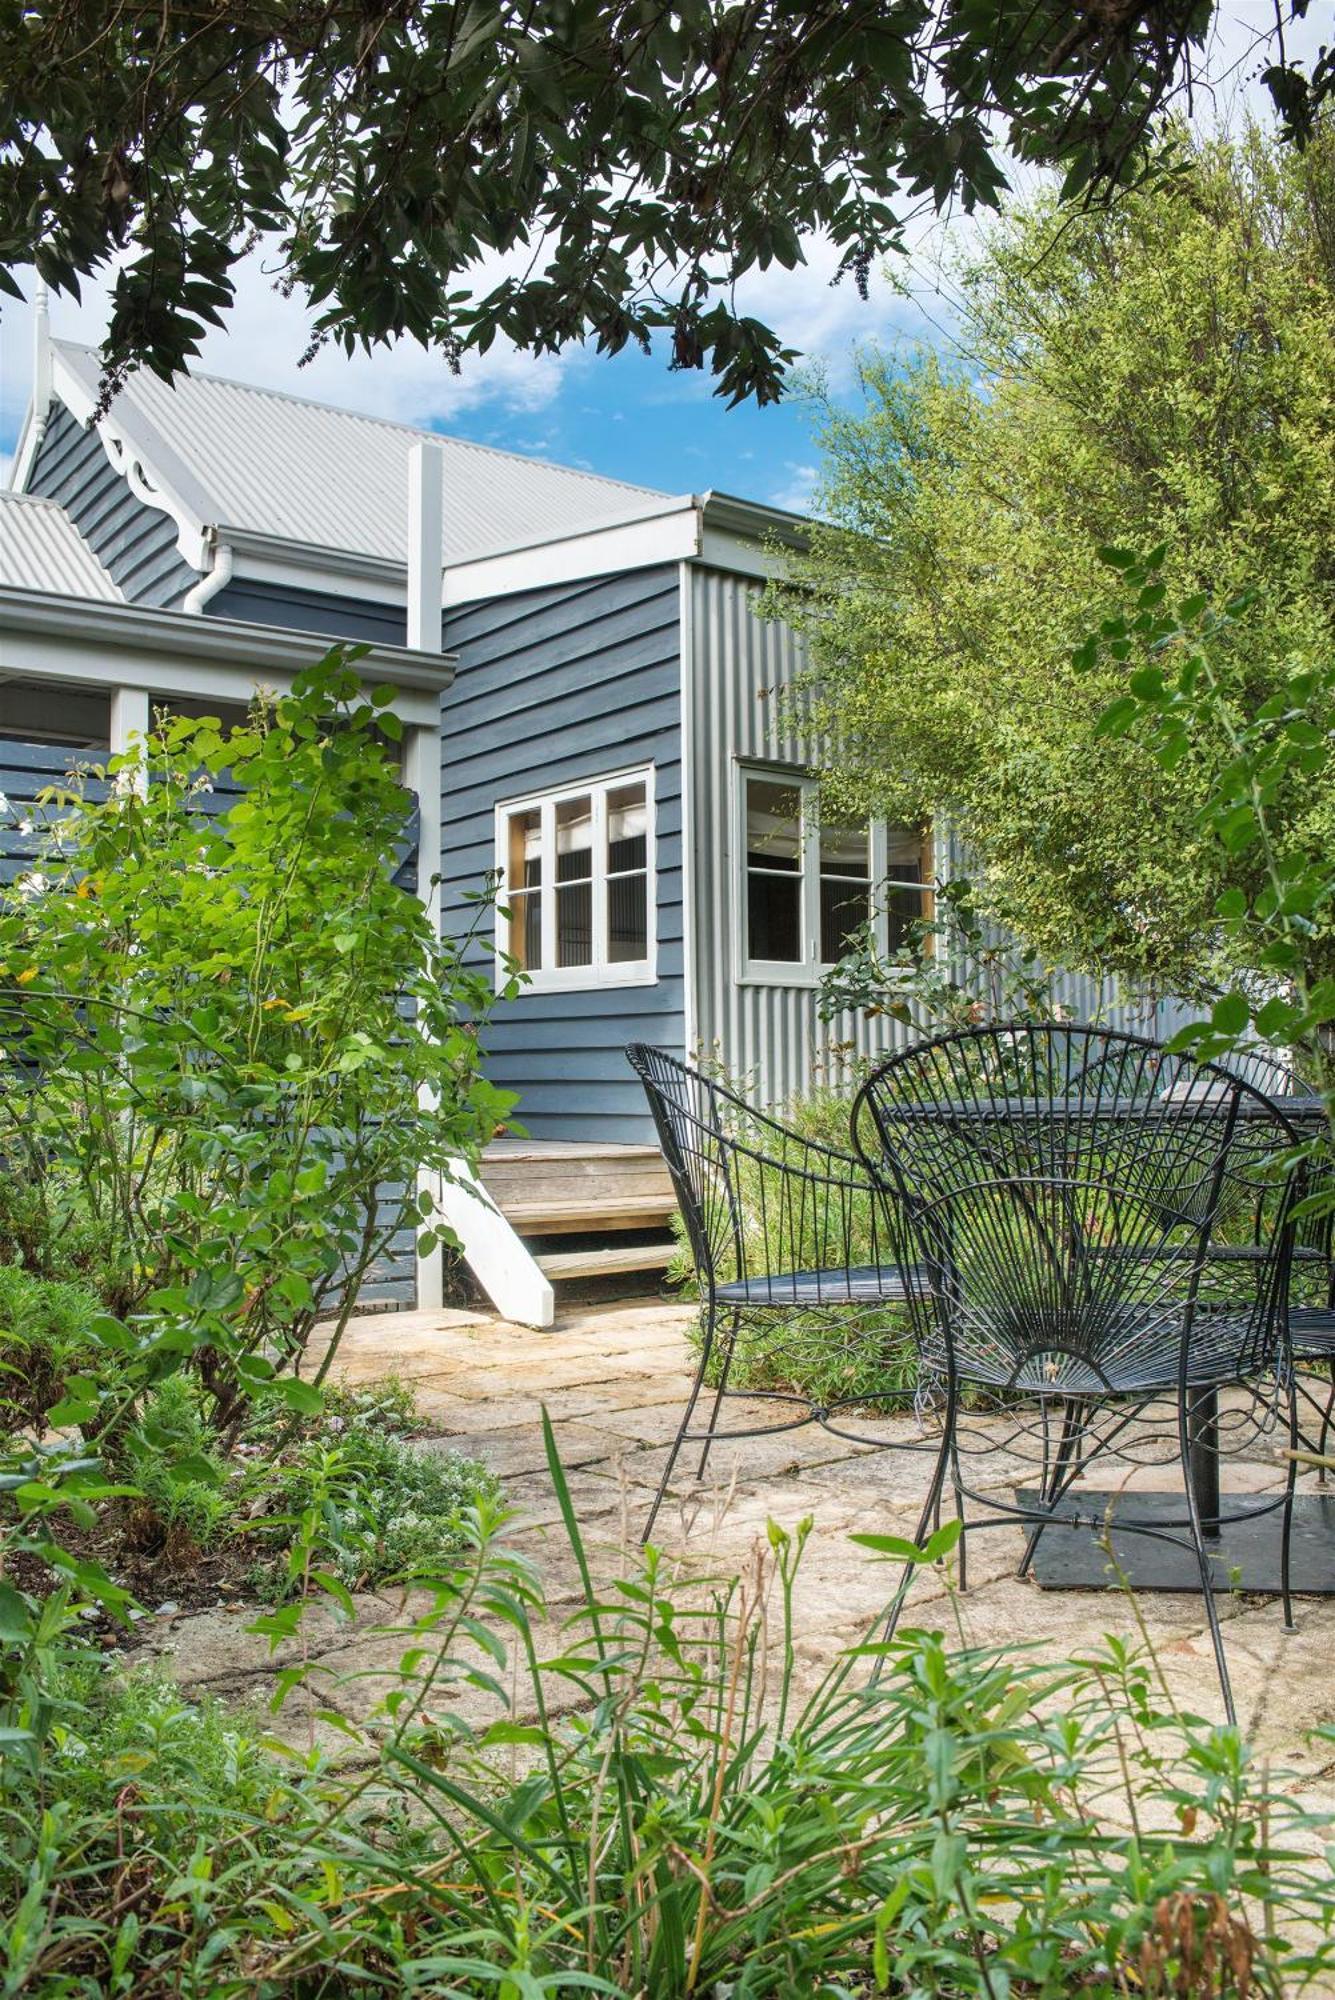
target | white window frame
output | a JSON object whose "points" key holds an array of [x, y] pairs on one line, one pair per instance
{"points": [[550, 977], [810, 969]]}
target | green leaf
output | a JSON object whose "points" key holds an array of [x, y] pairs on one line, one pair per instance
{"points": [[1230, 1015], [303, 1398]]}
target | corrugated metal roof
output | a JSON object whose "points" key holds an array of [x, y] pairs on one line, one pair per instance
{"points": [[274, 465], [41, 549]]}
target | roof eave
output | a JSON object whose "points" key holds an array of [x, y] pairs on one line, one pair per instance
{"points": [[210, 641], [755, 520]]}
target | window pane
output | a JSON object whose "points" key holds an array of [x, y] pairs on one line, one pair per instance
{"points": [[773, 917], [627, 830], [524, 869], [526, 931], [844, 905], [627, 919], [845, 850], [574, 844], [773, 825], [574, 924], [906, 891], [903, 854], [524, 873]]}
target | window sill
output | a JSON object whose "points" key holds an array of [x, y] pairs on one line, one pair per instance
{"points": [[580, 982], [805, 977]]}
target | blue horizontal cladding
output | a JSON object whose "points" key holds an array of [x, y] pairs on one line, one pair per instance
{"points": [[321, 612], [556, 686], [27, 771], [136, 543]]}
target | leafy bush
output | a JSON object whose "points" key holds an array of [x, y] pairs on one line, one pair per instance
{"points": [[380, 1507], [662, 1812], [44, 1335], [228, 1032], [180, 1480]]}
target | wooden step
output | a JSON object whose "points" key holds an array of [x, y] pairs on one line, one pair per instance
{"points": [[552, 1217], [606, 1263]]}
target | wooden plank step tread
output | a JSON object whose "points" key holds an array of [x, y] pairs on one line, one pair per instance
{"points": [[602, 1263], [532, 1217]]}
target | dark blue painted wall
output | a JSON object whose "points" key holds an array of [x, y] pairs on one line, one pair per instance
{"points": [[136, 543], [310, 611], [554, 686]]}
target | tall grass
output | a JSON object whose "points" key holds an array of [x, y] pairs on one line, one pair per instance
{"points": [[650, 1805]]}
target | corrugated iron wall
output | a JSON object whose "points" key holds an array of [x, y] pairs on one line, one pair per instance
{"points": [[770, 1036]]}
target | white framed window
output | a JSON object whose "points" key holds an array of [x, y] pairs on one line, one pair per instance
{"points": [[575, 868], [807, 883]]}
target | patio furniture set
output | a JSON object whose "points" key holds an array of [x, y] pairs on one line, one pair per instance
{"points": [[1068, 1244]]}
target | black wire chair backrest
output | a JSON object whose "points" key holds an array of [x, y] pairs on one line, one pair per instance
{"points": [[1064, 1186], [759, 1200]]}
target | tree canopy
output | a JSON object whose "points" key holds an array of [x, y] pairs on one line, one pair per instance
{"points": [[1160, 373], [596, 170]]}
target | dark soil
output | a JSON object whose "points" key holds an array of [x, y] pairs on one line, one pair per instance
{"points": [[155, 1567]]}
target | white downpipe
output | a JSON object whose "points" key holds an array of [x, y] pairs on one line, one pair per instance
{"points": [[218, 577], [502, 1264]]}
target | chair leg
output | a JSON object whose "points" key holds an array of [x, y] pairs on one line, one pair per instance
{"points": [[1286, 1519], [963, 1544], [721, 1392], [1325, 1424], [1055, 1480], [706, 1349], [1202, 1559], [930, 1511]]}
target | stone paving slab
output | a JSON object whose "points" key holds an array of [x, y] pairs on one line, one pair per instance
{"points": [[614, 1380]]}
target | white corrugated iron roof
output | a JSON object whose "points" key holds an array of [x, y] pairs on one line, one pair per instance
{"points": [[273, 465], [41, 549]]}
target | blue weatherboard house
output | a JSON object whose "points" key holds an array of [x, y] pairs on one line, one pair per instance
{"points": [[592, 717]]}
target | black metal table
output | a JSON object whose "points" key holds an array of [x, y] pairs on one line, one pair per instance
{"points": [[1244, 1545]]}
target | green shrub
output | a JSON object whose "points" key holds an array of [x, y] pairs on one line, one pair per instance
{"points": [[382, 1508], [171, 1458], [43, 1337], [676, 1821]]}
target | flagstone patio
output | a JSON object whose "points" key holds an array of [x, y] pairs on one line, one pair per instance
{"points": [[613, 1379]]}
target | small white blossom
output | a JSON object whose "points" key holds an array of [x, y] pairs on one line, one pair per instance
{"points": [[25, 826]]}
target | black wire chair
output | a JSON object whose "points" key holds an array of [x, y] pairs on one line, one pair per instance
{"points": [[1312, 1279], [1103, 1231], [795, 1253]]}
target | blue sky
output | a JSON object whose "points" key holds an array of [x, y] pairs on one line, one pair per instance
{"points": [[627, 416]]}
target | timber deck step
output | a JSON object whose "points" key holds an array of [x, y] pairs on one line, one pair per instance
{"points": [[600, 1211], [549, 1189], [605, 1263]]}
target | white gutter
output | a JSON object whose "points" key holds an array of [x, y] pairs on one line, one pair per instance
{"points": [[217, 578], [96, 628]]}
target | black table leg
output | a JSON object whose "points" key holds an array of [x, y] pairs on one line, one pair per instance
{"points": [[1203, 1456]]}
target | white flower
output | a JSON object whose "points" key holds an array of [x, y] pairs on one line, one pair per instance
{"points": [[32, 885], [25, 826], [4, 803]]}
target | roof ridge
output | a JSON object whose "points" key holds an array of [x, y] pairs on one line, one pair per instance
{"points": [[392, 424]]}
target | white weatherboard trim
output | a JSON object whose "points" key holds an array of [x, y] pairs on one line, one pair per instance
{"points": [[421, 774], [84, 642], [686, 726], [500, 1262], [603, 972], [426, 523]]}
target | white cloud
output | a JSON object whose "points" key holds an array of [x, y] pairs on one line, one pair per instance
{"points": [[797, 492]]}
